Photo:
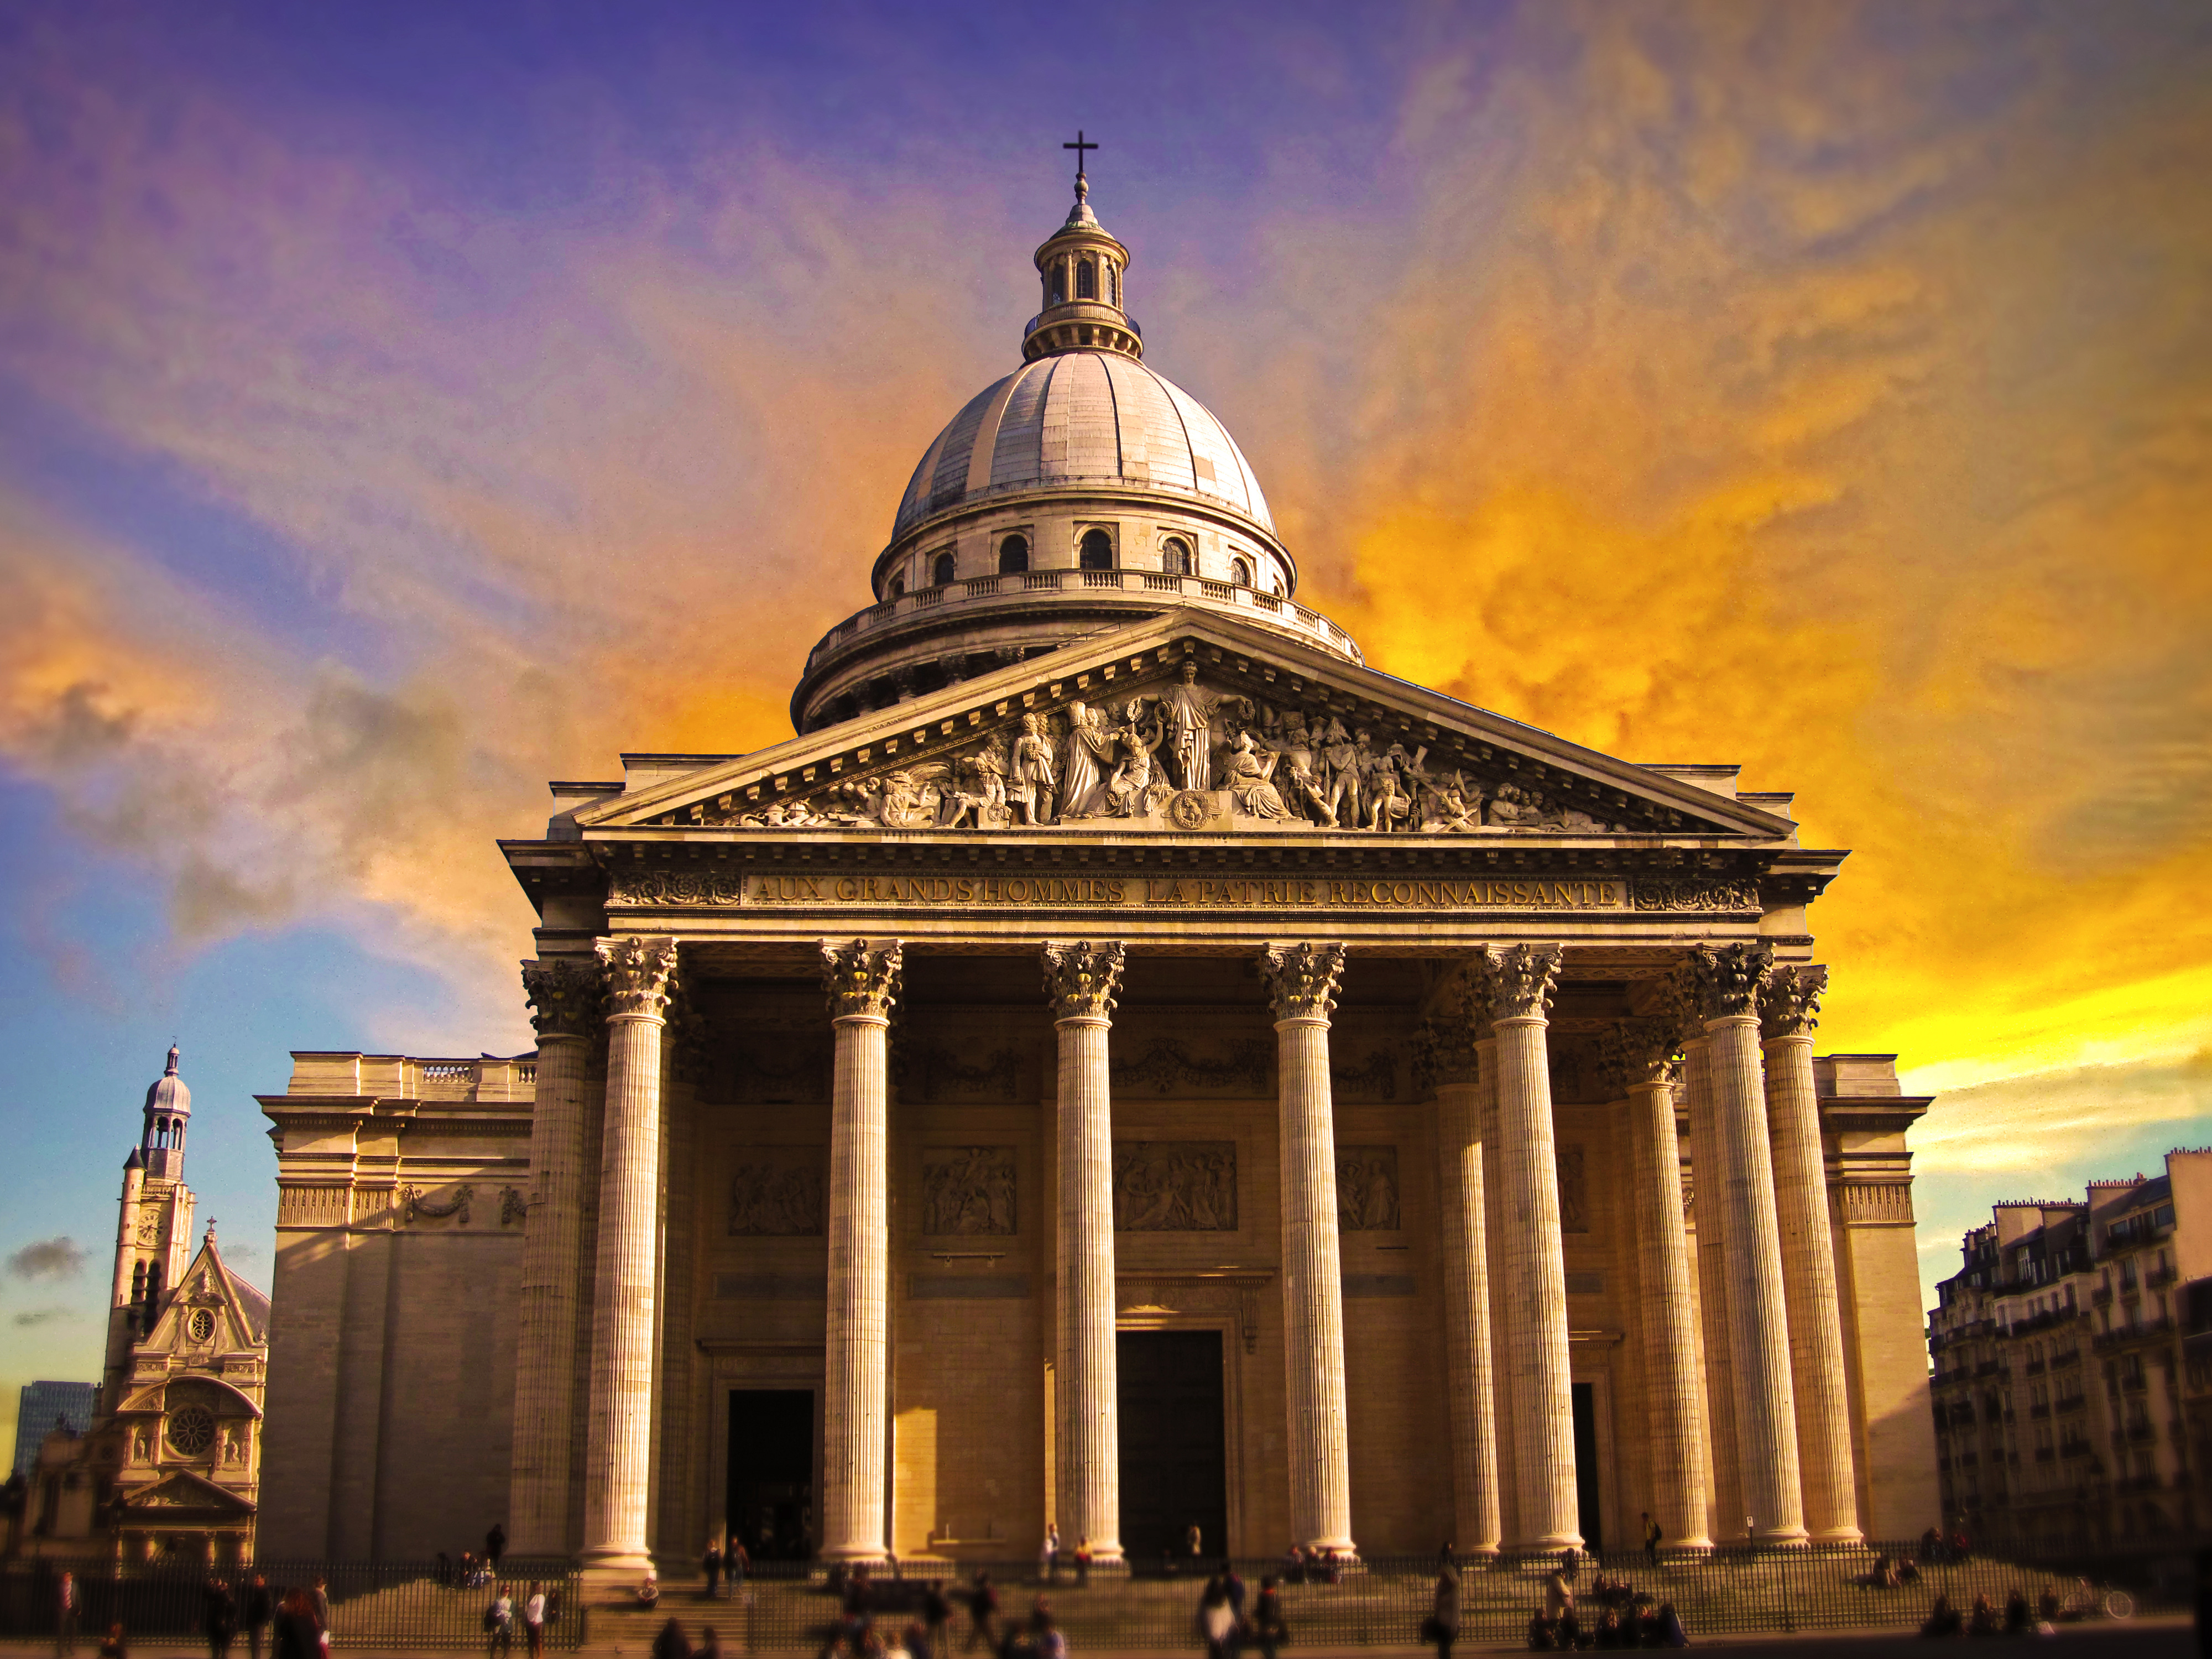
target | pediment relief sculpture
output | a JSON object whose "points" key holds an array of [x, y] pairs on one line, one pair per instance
{"points": [[1180, 753]]}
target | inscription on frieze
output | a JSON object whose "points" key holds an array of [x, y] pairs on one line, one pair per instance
{"points": [[1367, 1189], [776, 1192], [1175, 1186], [967, 1192], [1201, 893]]}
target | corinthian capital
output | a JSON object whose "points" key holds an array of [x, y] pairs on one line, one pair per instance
{"points": [[861, 978], [641, 975], [567, 998], [1443, 1052], [1636, 1052], [1081, 978], [1726, 978], [1302, 979], [1789, 1002], [1521, 978]]}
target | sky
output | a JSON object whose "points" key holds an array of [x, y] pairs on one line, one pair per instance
{"points": [[403, 405]]}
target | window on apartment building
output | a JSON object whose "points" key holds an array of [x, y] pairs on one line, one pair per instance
{"points": [[2128, 1274]]}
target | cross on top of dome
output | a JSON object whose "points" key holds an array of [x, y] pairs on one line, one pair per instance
{"points": [[1083, 269]]}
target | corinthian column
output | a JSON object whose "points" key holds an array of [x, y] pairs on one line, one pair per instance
{"points": [[1789, 1003], [566, 999], [1445, 1055], [1081, 981], [863, 982], [1726, 980], [617, 1457], [1301, 982], [1638, 1056], [1538, 1376]]}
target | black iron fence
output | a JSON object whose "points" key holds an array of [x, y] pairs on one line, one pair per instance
{"points": [[373, 1604]]}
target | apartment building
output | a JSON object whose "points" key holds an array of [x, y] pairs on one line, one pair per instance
{"points": [[2072, 1381]]}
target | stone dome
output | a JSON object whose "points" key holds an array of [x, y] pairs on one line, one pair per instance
{"points": [[167, 1094], [1082, 417]]}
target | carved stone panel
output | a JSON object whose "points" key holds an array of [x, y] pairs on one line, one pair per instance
{"points": [[776, 1192], [1367, 1189], [1375, 1078], [937, 1077], [1167, 1065], [1574, 1189], [967, 1192], [1175, 1186], [761, 1069]]}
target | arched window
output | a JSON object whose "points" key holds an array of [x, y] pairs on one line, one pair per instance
{"points": [[1240, 572], [138, 1283], [1059, 282], [897, 588], [1175, 556], [1097, 550], [1086, 280], [1113, 285], [941, 572], [1013, 556]]}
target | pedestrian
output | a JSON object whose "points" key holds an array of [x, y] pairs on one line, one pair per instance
{"points": [[1651, 1536], [533, 1621], [258, 1608], [1082, 1561], [1217, 1619], [298, 1632], [670, 1644], [219, 1618], [712, 1562], [983, 1614], [318, 1602], [499, 1627], [1045, 1640], [495, 1545], [733, 1567], [1049, 1556], [1268, 1630], [710, 1644], [1441, 1628], [111, 1645], [936, 1613], [1191, 1540], [65, 1611]]}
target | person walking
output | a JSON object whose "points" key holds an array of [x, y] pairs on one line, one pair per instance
{"points": [[258, 1608], [734, 1562], [298, 1632], [1217, 1619], [533, 1621], [1049, 1556], [1443, 1625], [1652, 1538], [1268, 1630], [499, 1627], [65, 1611], [982, 1615], [318, 1603], [712, 1564], [219, 1618], [495, 1545]]}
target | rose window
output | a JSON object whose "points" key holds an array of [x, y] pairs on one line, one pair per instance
{"points": [[192, 1431]]}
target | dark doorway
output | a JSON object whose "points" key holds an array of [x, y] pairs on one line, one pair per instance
{"points": [[1589, 1513], [771, 1509], [1175, 1471]]}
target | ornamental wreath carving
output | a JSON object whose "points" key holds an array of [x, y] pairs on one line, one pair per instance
{"points": [[1367, 1189], [967, 1192], [1175, 1186], [1374, 1079], [776, 1192], [1167, 1067], [933, 1075], [675, 890], [1695, 893], [414, 1204], [1178, 754]]}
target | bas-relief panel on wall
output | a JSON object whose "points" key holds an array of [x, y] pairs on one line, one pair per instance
{"points": [[1574, 1189], [1175, 1186], [967, 1192], [776, 1192], [1367, 1189], [1171, 1065], [761, 1069]]}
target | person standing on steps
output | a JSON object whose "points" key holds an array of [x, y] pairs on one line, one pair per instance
{"points": [[259, 1609], [494, 1546], [711, 1563], [1651, 1536]]}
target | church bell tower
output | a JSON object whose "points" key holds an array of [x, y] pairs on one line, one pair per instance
{"points": [[154, 1229]]}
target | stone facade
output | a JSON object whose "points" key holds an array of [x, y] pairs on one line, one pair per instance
{"points": [[1121, 1035], [2073, 1367]]}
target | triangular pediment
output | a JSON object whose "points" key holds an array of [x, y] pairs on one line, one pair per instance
{"points": [[180, 1489], [1187, 723], [236, 1313]]}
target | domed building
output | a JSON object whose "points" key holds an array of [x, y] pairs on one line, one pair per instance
{"points": [[1124, 1065]]}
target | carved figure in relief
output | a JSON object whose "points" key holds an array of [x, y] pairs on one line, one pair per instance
{"points": [[1251, 781], [1187, 714], [912, 798], [1084, 762], [1450, 807], [969, 1191], [1367, 1189], [1036, 778], [979, 791], [1175, 1186], [778, 1197], [1340, 755], [1130, 789], [1574, 1192]]}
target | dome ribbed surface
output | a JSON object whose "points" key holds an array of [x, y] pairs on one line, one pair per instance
{"points": [[1082, 417]]}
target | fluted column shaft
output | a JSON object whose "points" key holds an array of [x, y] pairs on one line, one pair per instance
{"points": [[1533, 1272], [565, 995], [1758, 1318], [1450, 1053], [1303, 980], [863, 983], [1790, 1003], [1493, 1238], [617, 1459], [1081, 981], [1726, 1509], [1668, 1317]]}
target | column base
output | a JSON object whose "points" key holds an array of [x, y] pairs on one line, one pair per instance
{"points": [[1782, 1537], [1838, 1537], [611, 1579]]}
